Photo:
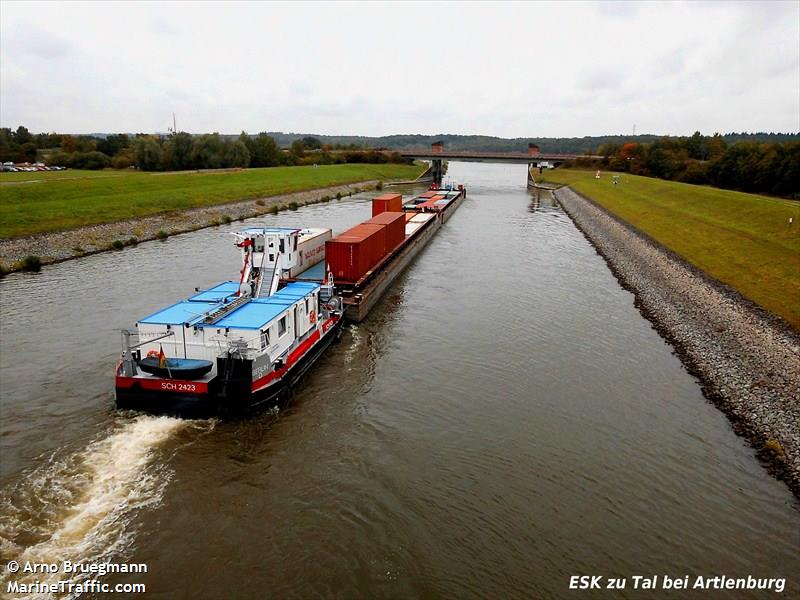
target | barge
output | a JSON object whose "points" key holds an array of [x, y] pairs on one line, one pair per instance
{"points": [[367, 258], [239, 345], [244, 344]]}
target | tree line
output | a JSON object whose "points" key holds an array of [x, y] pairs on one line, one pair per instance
{"points": [[748, 166], [175, 152], [758, 162], [486, 143]]}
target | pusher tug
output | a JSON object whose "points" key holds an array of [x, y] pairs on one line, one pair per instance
{"points": [[238, 345]]}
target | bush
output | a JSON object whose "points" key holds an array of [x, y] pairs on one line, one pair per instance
{"points": [[379, 186], [123, 160], [775, 448], [338, 195], [226, 219], [325, 199], [293, 205], [260, 202], [89, 160], [3, 270], [133, 241], [31, 263], [58, 159], [77, 249], [695, 173], [162, 235], [117, 244]]}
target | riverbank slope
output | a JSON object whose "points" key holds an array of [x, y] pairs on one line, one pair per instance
{"points": [[747, 360], [67, 218], [747, 241]]}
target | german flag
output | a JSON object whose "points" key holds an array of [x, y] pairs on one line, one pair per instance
{"points": [[162, 358]]}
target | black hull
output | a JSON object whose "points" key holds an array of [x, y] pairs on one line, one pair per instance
{"points": [[216, 403]]}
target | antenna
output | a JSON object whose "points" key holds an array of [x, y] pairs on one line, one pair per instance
{"points": [[175, 128], [634, 129]]}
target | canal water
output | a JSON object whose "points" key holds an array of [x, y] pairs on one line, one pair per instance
{"points": [[505, 419]]}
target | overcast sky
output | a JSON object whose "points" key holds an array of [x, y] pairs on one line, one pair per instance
{"points": [[505, 69]]}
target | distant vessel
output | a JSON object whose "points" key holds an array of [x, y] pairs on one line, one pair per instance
{"points": [[238, 345]]}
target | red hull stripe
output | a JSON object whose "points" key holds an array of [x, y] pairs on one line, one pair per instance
{"points": [[164, 385], [199, 387], [295, 355]]}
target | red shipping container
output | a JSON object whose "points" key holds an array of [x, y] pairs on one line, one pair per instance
{"points": [[409, 216], [431, 204], [395, 223], [387, 203], [354, 252], [428, 195]]}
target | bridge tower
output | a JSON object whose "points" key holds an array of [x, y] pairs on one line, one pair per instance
{"points": [[533, 152], [436, 164]]}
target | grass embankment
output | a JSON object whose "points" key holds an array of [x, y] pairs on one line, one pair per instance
{"points": [[29, 176], [68, 199], [743, 240]]}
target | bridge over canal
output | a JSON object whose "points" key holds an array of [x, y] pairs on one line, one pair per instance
{"points": [[533, 158]]}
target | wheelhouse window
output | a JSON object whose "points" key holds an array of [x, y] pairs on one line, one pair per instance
{"points": [[282, 327], [264, 338]]}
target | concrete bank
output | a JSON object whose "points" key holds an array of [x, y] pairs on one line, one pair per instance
{"points": [[747, 360], [59, 246]]}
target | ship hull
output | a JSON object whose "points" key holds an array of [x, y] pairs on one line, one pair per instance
{"points": [[200, 400]]}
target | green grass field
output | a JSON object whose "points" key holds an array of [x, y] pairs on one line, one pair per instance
{"points": [[743, 240], [10, 178], [54, 201]]}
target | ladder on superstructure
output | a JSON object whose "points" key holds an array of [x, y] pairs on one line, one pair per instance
{"points": [[227, 309]]}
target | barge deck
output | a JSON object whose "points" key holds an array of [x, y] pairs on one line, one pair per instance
{"points": [[361, 296], [359, 300]]}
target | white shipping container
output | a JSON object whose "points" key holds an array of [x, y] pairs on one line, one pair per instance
{"points": [[412, 227], [422, 218], [310, 248]]}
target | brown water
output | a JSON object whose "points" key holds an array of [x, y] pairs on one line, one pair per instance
{"points": [[503, 420]]}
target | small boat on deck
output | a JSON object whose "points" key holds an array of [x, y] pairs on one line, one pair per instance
{"points": [[175, 368], [239, 345]]}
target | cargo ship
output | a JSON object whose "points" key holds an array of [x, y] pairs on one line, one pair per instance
{"points": [[244, 344], [239, 345], [367, 258]]}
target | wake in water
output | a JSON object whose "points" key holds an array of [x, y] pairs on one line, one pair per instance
{"points": [[79, 508]]}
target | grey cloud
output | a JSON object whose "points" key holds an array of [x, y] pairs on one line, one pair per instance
{"points": [[501, 68], [672, 63], [624, 10], [162, 26], [602, 78], [41, 43]]}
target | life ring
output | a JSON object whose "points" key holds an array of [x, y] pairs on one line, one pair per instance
{"points": [[152, 354], [312, 316]]}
